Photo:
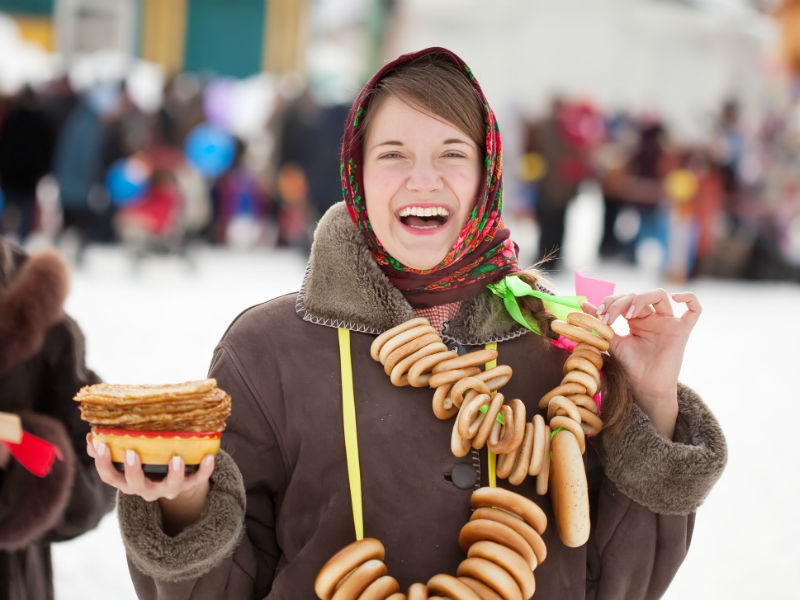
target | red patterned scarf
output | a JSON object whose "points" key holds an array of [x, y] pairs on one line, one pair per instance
{"points": [[483, 252]]}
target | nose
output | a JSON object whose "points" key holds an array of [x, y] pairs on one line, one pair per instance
{"points": [[423, 177]]}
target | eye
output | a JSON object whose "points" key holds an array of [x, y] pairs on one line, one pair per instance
{"points": [[389, 155], [454, 154]]}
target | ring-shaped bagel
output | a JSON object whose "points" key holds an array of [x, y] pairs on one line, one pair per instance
{"points": [[523, 462], [590, 422], [580, 363], [344, 561], [561, 405], [517, 504], [460, 387], [476, 358], [543, 478], [564, 389], [587, 381], [529, 534], [480, 588], [585, 402], [572, 426], [403, 338], [358, 580], [505, 464], [440, 410], [509, 560], [590, 353], [445, 377], [380, 589], [476, 530], [490, 418], [399, 374], [537, 454], [493, 575], [417, 591], [409, 348], [378, 342], [450, 587], [496, 377], [420, 371], [590, 323], [470, 416], [579, 334], [459, 446], [396, 596], [502, 440]]}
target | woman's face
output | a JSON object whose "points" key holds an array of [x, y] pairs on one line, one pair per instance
{"points": [[421, 176]]}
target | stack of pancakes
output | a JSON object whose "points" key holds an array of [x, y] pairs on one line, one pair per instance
{"points": [[157, 421]]}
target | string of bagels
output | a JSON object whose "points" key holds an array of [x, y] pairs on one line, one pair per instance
{"points": [[503, 538]]}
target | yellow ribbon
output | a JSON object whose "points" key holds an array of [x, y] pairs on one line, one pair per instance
{"points": [[350, 432]]}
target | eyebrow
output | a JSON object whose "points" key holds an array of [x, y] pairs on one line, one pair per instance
{"points": [[399, 143]]}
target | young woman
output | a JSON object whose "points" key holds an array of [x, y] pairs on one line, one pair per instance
{"points": [[419, 233]]}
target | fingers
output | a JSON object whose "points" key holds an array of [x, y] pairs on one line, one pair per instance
{"points": [[635, 306], [693, 308]]}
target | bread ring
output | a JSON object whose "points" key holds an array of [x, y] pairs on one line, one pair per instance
{"points": [[584, 379], [470, 417], [509, 560], [450, 587], [495, 531], [417, 591], [476, 358], [585, 402], [528, 533], [581, 319], [440, 410], [480, 588], [564, 389], [573, 426], [579, 334], [502, 440], [380, 589], [408, 348], [496, 377], [537, 454], [397, 596], [523, 453], [402, 338], [580, 363], [358, 580], [590, 422], [420, 371], [445, 377], [461, 386], [378, 342], [561, 405], [569, 491], [543, 477], [459, 446], [399, 374], [344, 561], [493, 575], [515, 503], [590, 353], [490, 418]]}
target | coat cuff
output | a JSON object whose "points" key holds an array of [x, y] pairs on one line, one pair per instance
{"points": [[198, 548], [31, 506], [668, 477]]}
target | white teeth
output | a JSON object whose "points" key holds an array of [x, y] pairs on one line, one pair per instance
{"points": [[428, 211]]}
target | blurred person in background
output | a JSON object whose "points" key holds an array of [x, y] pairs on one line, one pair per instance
{"points": [[41, 368], [26, 154]]}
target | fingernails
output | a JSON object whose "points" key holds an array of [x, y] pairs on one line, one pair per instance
{"points": [[102, 449], [601, 309], [605, 319], [208, 460], [630, 312], [130, 457], [176, 463]]}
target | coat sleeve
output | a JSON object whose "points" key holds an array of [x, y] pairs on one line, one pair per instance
{"points": [[231, 552], [646, 497]]}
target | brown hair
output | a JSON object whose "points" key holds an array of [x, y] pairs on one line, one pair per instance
{"points": [[437, 85], [617, 398]]}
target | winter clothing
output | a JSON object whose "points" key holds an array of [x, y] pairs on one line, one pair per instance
{"points": [[41, 368], [280, 363]]}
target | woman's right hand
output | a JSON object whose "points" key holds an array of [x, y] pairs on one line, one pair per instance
{"points": [[182, 497]]}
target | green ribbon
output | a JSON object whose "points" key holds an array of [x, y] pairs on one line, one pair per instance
{"points": [[512, 287]]}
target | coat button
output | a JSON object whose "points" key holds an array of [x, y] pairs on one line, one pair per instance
{"points": [[463, 476]]}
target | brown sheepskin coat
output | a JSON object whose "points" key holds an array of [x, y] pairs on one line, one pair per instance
{"points": [[41, 368], [280, 501]]}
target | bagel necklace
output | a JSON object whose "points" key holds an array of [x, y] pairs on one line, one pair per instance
{"points": [[502, 539]]}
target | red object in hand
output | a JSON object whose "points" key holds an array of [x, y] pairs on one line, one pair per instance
{"points": [[34, 453]]}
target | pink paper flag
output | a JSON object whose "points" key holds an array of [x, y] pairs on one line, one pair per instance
{"points": [[594, 289]]}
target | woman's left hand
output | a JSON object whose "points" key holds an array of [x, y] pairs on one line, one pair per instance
{"points": [[652, 352]]}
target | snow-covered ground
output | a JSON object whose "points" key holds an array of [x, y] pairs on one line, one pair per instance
{"points": [[161, 324]]}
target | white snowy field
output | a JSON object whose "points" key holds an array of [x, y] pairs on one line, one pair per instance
{"points": [[162, 324]]}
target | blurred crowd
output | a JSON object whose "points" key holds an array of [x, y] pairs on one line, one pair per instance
{"points": [[724, 205], [92, 167], [86, 167]]}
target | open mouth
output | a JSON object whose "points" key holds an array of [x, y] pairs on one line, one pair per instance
{"points": [[428, 217]]}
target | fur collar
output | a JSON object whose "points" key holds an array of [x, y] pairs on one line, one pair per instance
{"points": [[344, 287], [31, 301]]}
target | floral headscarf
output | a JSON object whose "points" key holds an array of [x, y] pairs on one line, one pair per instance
{"points": [[483, 252]]}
